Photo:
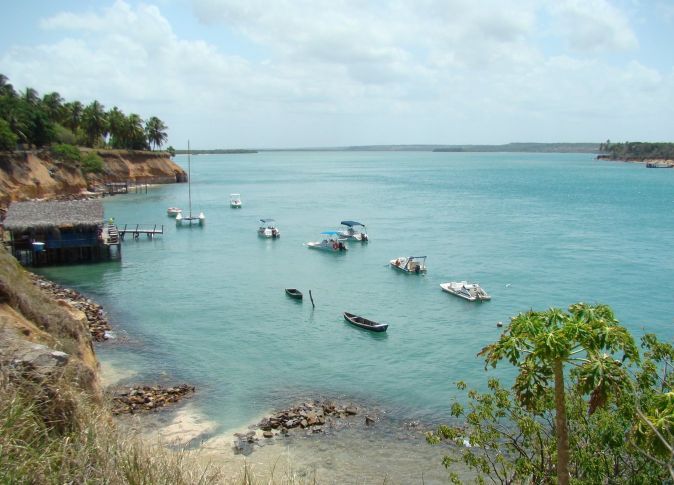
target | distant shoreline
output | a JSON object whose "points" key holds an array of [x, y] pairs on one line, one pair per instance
{"points": [[508, 147]]}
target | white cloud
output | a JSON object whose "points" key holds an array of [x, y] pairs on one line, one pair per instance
{"points": [[434, 71], [594, 25]]}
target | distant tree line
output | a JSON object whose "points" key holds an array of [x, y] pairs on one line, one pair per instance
{"points": [[637, 150], [28, 119]]}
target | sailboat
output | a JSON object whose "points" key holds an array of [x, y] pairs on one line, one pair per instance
{"points": [[190, 219]]}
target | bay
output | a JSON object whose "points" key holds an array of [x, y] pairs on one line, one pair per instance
{"points": [[207, 306]]}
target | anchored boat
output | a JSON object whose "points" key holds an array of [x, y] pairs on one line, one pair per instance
{"points": [[268, 228], [465, 290], [410, 264], [332, 241], [353, 231], [294, 293], [235, 201], [189, 219], [365, 323]]}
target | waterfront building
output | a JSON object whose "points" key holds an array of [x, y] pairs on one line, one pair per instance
{"points": [[40, 233]]}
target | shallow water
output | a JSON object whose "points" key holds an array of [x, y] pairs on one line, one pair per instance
{"points": [[207, 306]]}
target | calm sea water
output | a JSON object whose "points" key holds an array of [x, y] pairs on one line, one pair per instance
{"points": [[207, 306]]}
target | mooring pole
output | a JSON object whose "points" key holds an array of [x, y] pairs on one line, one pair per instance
{"points": [[312, 299]]}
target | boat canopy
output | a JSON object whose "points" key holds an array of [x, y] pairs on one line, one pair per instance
{"points": [[330, 233], [267, 221], [352, 223], [416, 257]]}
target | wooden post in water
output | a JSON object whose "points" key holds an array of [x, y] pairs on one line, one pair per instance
{"points": [[312, 299]]}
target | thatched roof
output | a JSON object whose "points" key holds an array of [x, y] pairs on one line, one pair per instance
{"points": [[47, 215]]}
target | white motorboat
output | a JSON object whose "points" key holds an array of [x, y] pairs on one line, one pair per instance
{"points": [[410, 264], [235, 201], [331, 241], [268, 228], [465, 290], [173, 211], [189, 219], [352, 231]]}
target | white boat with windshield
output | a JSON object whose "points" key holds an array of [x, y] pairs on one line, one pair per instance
{"points": [[331, 241], [354, 230], [465, 290], [173, 211], [410, 264], [235, 201], [268, 228]]}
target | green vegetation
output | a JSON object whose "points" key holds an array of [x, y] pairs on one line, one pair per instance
{"points": [[66, 153], [92, 163], [27, 119], [546, 431], [637, 150]]}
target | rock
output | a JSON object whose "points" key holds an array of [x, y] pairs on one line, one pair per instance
{"points": [[268, 434], [351, 410], [369, 421]]}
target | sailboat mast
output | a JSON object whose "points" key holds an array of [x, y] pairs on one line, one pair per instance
{"points": [[189, 178]]}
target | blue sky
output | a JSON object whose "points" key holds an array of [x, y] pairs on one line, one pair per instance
{"points": [[317, 73]]}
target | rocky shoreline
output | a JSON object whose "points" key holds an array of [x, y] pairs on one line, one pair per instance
{"points": [[147, 398], [312, 417], [97, 321]]}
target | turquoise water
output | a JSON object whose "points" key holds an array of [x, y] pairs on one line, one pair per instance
{"points": [[207, 306]]}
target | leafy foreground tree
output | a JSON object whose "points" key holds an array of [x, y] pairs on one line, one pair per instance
{"points": [[517, 438]]}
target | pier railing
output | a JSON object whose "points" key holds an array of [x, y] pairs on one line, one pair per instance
{"points": [[150, 230]]}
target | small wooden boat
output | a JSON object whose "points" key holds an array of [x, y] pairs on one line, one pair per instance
{"points": [[365, 323], [294, 293]]}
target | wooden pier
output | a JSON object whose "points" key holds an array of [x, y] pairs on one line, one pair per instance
{"points": [[147, 229]]}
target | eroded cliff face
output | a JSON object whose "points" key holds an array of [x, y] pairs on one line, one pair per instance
{"points": [[40, 338], [37, 174]]}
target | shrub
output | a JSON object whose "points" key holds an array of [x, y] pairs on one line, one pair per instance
{"points": [[92, 163], [64, 135], [66, 153]]}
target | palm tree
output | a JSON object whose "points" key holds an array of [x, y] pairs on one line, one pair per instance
{"points": [[31, 97], [155, 130], [53, 105], [118, 128], [136, 133], [73, 115], [6, 89], [540, 343], [95, 123]]}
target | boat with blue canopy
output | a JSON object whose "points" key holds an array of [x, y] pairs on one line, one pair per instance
{"points": [[330, 241], [354, 230]]}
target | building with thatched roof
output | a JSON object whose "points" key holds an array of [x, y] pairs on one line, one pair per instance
{"points": [[57, 232]]}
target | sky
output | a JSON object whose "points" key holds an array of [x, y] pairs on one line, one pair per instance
{"points": [[328, 73]]}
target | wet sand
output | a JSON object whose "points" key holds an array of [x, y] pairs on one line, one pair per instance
{"points": [[348, 453]]}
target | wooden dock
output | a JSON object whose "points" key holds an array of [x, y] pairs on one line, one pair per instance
{"points": [[147, 229]]}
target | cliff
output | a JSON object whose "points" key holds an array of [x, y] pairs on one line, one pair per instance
{"points": [[43, 339], [38, 174]]}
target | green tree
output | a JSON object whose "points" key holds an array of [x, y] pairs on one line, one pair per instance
{"points": [[7, 138], [95, 123], [155, 130], [136, 133], [52, 104], [171, 150], [6, 89], [72, 115], [541, 343], [118, 128]]}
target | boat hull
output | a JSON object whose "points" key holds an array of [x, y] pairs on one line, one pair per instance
{"points": [[332, 247], [365, 323], [294, 293]]}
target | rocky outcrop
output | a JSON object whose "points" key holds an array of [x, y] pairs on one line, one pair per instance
{"points": [[147, 398], [39, 175]]}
